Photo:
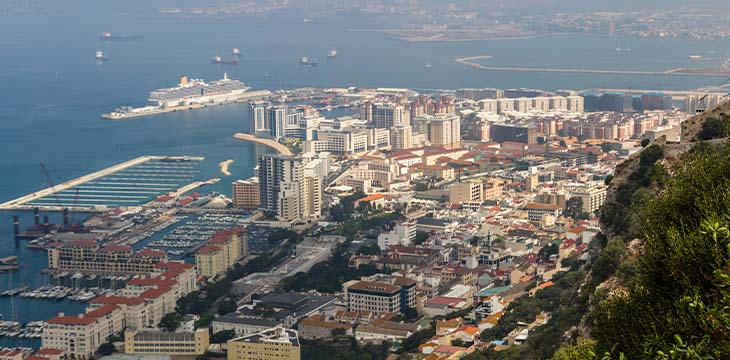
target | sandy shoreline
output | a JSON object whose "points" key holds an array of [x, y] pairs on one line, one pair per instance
{"points": [[224, 167], [281, 149]]}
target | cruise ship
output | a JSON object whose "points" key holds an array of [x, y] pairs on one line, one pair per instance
{"points": [[197, 91]]}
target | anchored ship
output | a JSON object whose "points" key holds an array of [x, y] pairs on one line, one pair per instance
{"points": [[220, 60], [107, 36], [308, 61], [236, 52], [332, 54]]}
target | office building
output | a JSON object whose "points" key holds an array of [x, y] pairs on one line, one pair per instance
{"points": [[274, 344], [535, 211], [166, 343], [246, 193], [258, 125], [440, 130]]}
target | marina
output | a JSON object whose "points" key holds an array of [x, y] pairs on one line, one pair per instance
{"points": [[131, 183], [194, 231]]}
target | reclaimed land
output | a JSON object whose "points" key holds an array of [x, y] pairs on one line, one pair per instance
{"points": [[281, 149], [469, 61]]}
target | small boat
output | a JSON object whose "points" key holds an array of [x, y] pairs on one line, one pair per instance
{"points": [[236, 52], [428, 65], [332, 54], [100, 56]]}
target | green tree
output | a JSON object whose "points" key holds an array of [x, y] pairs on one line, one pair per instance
{"points": [[713, 128], [226, 307], [457, 342], [106, 349], [204, 320], [222, 337], [421, 237], [573, 207], [170, 322]]}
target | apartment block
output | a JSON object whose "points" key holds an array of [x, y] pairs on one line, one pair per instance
{"points": [[166, 343], [274, 344]]}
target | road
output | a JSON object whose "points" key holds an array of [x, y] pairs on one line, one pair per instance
{"points": [[281, 149]]}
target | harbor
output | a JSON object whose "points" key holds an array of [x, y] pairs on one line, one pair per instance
{"points": [[130, 183]]}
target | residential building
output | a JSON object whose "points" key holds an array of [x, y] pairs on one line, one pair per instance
{"points": [[246, 193], [384, 115], [441, 130], [394, 295], [88, 257], [466, 191], [274, 344], [401, 137], [593, 197], [79, 336], [403, 233], [222, 251], [317, 327], [285, 191], [166, 343], [535, 211]]}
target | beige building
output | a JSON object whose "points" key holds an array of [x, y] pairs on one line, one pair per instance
{"points": [[246, 193], [224, 249], [593, 197], [79, 336], [166, 343], [274, 344], [401, 137], [394, 295], [440, 130], [88, 257], [466, 191], [316, 327]]}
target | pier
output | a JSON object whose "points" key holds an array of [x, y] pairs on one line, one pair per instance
{"points": [[130, 183], [469, 61]]}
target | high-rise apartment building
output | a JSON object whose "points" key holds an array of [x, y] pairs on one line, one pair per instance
{"points": [[246, 193], [285, 190], [440, 130], [385, 115], [401, 137]]}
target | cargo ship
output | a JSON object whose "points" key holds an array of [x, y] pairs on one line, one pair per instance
{"points": [[107, 36], [220, 60]]}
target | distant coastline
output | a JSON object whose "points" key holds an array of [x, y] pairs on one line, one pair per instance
{"points": [[421, 36]]}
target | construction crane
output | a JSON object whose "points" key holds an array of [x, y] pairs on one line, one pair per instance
{"points": [[45, 176]]}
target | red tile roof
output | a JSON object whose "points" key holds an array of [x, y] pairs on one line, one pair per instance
{"points": [[83, 319], [174, 265], [156, 281], [155, 293], [117, 248], [371, 197], [10, 352], [49, 351], [35, 357], [210, 249], [86, 243], [150, 253], [117, 300]]}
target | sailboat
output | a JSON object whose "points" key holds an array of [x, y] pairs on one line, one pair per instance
{"points": [[619, 48]]}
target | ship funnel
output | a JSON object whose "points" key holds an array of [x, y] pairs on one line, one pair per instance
{"points": [[183, 80]]}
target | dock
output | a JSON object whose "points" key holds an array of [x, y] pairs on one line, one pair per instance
{"points": [[130, 183]]}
